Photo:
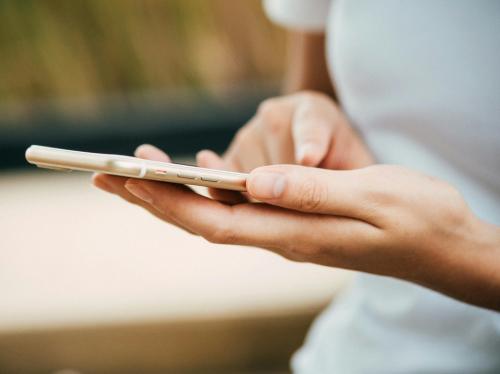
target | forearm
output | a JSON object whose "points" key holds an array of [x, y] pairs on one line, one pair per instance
{"points": [[307, 67], [467, 269]]}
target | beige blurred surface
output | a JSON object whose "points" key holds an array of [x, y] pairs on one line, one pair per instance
{"points": [[71, 255]]}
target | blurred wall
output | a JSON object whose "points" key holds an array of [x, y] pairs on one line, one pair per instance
{"points": [[57, 48]]}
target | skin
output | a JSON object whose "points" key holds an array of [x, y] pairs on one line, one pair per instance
{"points": [[329, 204], [306, 67]]}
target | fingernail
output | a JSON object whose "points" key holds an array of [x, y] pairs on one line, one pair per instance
{"points": [[139, 191], [303, 151], [267, 185]]}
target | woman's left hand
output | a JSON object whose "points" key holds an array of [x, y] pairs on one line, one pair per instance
{"points": [[381, 219]]}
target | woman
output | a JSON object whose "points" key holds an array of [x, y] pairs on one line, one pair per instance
{"points": [[420, 83]]}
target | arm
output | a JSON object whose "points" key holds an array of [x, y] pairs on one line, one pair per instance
{"points": [[305, 22], [306, 65]]}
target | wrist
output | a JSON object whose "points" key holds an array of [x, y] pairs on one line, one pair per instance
{"points": [[466, 267], [488, 249]]}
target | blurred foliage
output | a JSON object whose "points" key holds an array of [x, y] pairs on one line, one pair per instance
{"points": [[60, 49]]}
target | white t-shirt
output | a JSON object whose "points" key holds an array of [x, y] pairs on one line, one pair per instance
{"points": [[421, 81]]}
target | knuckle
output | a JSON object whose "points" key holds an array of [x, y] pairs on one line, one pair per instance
{"points": [[384, 179], [310, 94], [312, 97], [303, 252], [381, 197], [313, 253], [455, 207], [270, 116], [312, 195], [223, 233], [266, 108], [296, 255], [289, 252], [242, 134]]}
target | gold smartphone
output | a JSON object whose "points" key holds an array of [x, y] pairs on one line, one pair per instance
{"points": [[133, 167]]}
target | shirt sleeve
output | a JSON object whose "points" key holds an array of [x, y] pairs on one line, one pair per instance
{"points": [[307, 15]]}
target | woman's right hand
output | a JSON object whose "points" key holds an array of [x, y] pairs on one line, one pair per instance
{"points": [[305, 128]]}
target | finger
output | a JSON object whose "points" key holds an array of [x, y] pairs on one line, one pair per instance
{"points": [[107, 182], [116, 185], [313, 125], [248, 149], [209, 159], [274, 118], [347, 150], [254, 224], [341, 193], [150, 152]]}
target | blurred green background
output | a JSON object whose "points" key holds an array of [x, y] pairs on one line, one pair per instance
{"points": [[56, 48], [130, 64]]}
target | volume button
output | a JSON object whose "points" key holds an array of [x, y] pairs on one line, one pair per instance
{"points": [[186, 176], [209, 179]]}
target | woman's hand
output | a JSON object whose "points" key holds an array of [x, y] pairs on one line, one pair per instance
{"points": [[381, 219], [306, 128]]}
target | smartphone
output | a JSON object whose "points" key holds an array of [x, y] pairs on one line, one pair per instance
{"points": [[133, 167]]}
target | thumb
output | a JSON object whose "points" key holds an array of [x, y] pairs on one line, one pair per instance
{"points": [[310, 190], [312, 132]]}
